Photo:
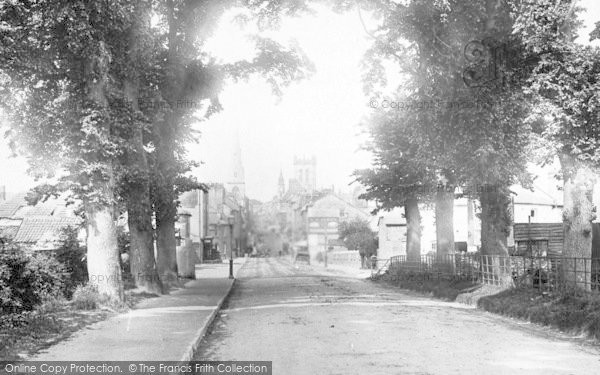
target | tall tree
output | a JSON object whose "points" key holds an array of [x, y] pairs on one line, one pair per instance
{"points": [[566, 78], [474, 133], [135, 179], [401, 177], [57, 65], [190, 77]]}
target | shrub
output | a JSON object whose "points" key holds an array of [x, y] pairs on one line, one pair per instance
{"points": [[86, 297], [74, 258], [25, 280]]}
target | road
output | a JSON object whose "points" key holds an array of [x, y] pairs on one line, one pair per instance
{"points": [[310, 322]]}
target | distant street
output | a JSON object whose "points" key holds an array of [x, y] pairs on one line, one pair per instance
{"points": [[310, 322]]}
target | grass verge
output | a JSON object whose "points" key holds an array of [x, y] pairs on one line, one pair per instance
{"points": [[572, 311], [446, 290]]}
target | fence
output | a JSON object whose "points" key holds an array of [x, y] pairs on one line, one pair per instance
{"points": [[544, 273], [344, 258]]}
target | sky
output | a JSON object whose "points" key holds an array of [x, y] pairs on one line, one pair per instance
{"points": [[319, 116]]}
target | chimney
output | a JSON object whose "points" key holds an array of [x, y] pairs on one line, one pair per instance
{"points": [[2, 193]]}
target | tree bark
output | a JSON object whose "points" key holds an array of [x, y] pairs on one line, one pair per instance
{"points": [[103, 259], [139, 207], [139, 220], [470, 225], [495, 221], [444, 223], [578, 213], [413, 230], [166, 212], [103, 251], [165, 206]]}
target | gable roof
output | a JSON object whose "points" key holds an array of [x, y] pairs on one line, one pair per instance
{"points": [[10, 207], [34, 229], [42, 223]]}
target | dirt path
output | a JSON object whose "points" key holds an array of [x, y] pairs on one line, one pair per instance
{"points": [[310, 323]]}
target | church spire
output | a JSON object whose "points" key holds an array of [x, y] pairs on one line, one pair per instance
{"points": [[238, 180], [281, 190]]}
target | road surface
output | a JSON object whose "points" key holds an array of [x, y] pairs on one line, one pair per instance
{"points": [[310, 322]]}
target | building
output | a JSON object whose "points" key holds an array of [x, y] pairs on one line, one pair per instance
{"points": [[237, 181], [305, 172], [392, 234], [195, 204], [537, 225], [36, 227], [227, 234], [322, 216]]}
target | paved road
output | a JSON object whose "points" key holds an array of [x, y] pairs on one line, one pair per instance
{"points": [[308, 322]]}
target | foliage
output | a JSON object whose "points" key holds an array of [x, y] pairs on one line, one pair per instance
{"points": [[73, 256], [469, 135], [566, 79], [26, 280], [357, 235], [86, 297]]}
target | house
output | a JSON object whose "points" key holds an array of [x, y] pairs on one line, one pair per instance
{"points": [[195, 204], [392, 229], [322, 217], [36, 227], [392, 234], [227, 223]]}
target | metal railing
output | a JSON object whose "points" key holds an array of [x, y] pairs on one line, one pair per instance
{"points": [[545, 273]]}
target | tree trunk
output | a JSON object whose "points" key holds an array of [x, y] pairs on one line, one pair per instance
{"points": [[166, 212], [413, 230], [164, 205], [444, 224], [495, 221], [578, 213], [103, 258], [471, 225], [139, 207], [103, 251]]}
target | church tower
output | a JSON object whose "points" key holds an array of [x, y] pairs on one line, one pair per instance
{"points": [[237, 183], [305, 171]]}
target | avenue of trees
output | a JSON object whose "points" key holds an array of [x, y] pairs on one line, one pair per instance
{"points": [[102, 95], [493, 85]]}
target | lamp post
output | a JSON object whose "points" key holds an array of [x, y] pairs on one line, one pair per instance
{"points": [[231, 248]]}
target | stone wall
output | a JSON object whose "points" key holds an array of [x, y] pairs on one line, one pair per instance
{"points": [[350, 258]]}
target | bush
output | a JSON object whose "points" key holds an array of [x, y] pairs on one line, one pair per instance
{"points": [[74, 258], [26, 280], [86, 297]]}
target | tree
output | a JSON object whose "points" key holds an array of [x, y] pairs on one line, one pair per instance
{"points": [[80, 69], [57, 67], [136, 178], [566, 80], [188, 75], [357, 235], [471, 135], [401, 177]]}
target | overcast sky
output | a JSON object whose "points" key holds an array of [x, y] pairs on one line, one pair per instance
{"points": [[319, 116]]}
